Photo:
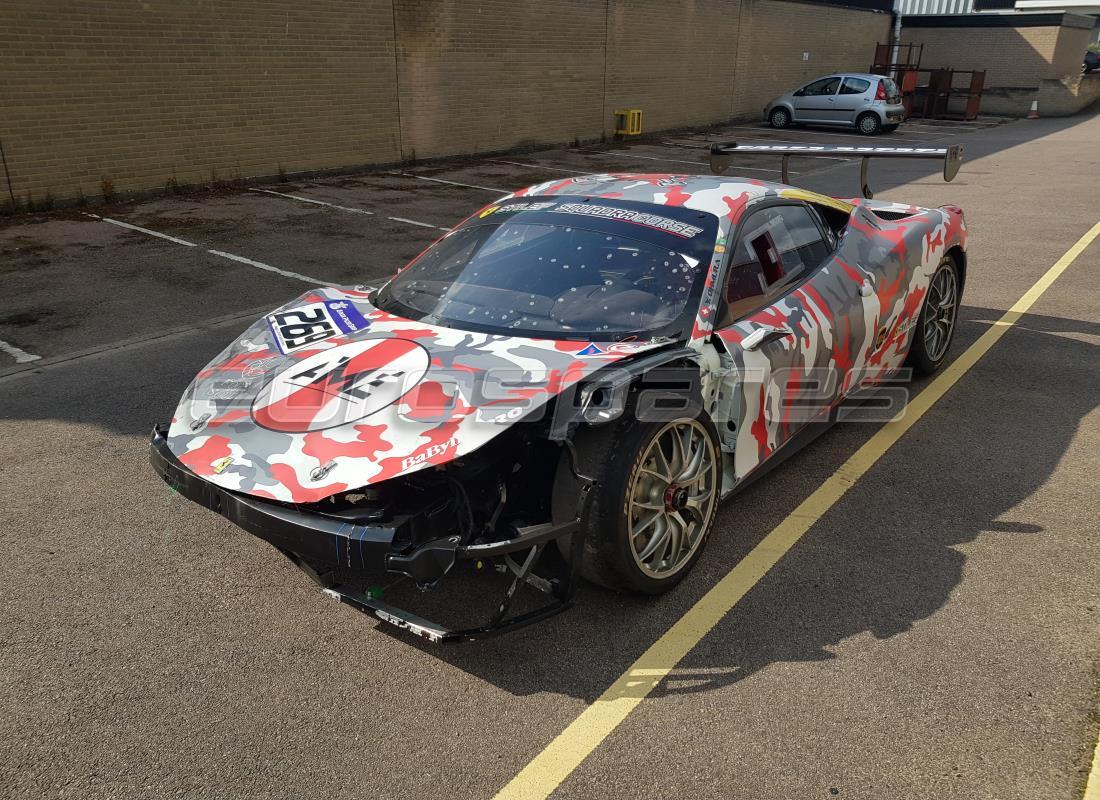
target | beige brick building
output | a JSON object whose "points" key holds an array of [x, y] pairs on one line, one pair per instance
{"points": [[1015, 50], [129, 95]]}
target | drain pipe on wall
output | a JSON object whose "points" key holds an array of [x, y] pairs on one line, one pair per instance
{"points": [[896, 40], [7, 175]]}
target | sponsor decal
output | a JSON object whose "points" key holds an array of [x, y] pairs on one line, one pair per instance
{"points": [[512, 208], [319, 473], [315, 322], [592, 350], [430, 452], [655, 221], [582, 180], [221, 465], [339, 385], [628, 347]]}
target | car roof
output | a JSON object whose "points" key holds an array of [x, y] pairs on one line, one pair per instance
{"points": [[715, 194], [865, 75]]}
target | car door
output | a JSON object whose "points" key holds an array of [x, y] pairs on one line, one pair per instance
{"points": [[816, 102], [851, 99], [786, 323]]}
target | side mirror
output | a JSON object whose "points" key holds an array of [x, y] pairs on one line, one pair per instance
{"points": [[800, 93]]}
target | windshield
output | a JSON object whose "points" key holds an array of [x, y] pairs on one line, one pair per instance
{"points": [[562, 267]]}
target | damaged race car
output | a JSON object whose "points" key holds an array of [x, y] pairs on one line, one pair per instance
{"points": [[567, 383]]}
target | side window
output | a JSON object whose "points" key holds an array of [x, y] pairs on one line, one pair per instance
{"points": [[776, 246], [821, 87], [855, 86]]}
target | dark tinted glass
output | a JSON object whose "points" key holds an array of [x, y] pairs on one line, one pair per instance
{"points": [[855, 86], [776, 246], [822, 87]]}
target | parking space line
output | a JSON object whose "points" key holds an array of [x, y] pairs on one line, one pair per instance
{"points": [[451, 183], [139, 229], [545, 772], [418, 224], [814, 132], [298, 197], [351, 210], [671, 160], [131, 342], [222, 254], [261, 265], [21, 356], [540, 166]]}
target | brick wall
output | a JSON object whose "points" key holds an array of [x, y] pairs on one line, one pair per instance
{"points": [[1013, 56], [142, 93], [493, 74], [776, 34], [673, 60]]}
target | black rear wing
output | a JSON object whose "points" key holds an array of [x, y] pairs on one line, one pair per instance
{"points": [[722, 154]]}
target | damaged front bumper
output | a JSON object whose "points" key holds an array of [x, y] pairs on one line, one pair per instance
{"points": [[321, 544]]}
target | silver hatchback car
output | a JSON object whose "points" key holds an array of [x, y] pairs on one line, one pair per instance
{"points": [[869, 103]]}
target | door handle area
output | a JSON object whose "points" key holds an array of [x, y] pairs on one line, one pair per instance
{"points": [[763, 335]]}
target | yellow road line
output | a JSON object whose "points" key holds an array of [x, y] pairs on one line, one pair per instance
{"points": [[1092, 785], [566, 752]]}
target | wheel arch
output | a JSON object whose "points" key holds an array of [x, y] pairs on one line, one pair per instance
{"points": [[958, 254]]}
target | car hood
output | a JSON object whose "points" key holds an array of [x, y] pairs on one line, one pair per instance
{"points": [[329, 393]]}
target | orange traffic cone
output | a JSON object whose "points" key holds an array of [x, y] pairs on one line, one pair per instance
{"points": [[1034, 113]]}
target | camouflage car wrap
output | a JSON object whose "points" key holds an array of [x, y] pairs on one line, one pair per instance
{"points": [[386, 399], [289, 414]]}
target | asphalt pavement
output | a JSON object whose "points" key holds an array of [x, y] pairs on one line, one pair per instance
{"points": [[936, 634]]}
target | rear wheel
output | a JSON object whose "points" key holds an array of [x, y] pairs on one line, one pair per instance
{"points": [[869, 124], [936, 325], [779, 118], [655, 506]]}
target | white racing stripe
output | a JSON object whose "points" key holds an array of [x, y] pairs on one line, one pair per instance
{"points": [[450, 183], [20, 356], [298, 197], [128, 226], [261, 265]]}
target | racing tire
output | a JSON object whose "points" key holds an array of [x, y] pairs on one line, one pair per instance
{"points": [[779, 118], [650, 517], [935, 326], [869, 124], [889, 128]]}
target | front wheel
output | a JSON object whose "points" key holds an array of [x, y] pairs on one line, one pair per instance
{"points": [[869, 124], [656, 505], [936, 325], [779, 118]]}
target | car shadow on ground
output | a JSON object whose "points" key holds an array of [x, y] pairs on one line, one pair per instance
{"points": [[884, 558]]}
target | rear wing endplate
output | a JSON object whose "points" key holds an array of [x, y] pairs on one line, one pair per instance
{"points": [[721, 155]]}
